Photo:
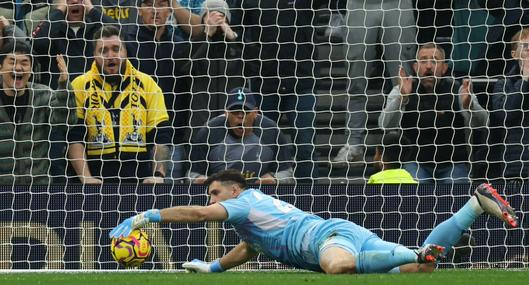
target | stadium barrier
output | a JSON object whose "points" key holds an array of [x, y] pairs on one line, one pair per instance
{"points": [[66, 227]]}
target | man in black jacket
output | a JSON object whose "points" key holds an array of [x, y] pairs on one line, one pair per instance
{"points": [[71, 25], [433, 112]]}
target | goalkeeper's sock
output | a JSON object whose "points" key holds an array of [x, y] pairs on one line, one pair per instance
{"points": [[375, 261], [449, 232]]}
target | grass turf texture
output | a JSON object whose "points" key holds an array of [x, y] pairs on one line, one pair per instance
{"points": [[451, 277]]}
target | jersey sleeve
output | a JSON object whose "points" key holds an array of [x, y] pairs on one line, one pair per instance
{"points": [[237, 209]]}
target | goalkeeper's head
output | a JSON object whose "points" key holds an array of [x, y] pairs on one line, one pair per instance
{"points": [[15, 66], [225, 185], [110, 53]]}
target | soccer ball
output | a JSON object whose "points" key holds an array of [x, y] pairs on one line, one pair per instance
{"points": [[131, 251]]}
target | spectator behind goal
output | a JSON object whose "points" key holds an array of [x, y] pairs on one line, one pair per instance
{"points": [[278, 53], [241, 139], [433, 112], [123, 130], [28, 113], [70, 27], [389, 155]]}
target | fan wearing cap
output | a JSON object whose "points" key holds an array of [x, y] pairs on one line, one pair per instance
{"points": [[241, 139]]}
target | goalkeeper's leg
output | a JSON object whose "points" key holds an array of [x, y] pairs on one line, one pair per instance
{"points": [[449, 232], [338, 255], [485, 199]]}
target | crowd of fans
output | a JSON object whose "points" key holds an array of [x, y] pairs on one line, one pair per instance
{"points": [[154, 91]]}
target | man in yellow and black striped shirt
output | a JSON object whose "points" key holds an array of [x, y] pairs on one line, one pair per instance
{"points": [[123, 130]]}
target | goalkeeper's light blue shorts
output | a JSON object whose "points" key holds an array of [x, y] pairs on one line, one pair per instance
{"points": [[351, 241]]}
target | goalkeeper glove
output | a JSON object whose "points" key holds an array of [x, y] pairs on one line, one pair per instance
{"points": [[135, 222], [199, 266]]}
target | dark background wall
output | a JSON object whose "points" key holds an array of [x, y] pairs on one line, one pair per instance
{"points": [[44, 227]]}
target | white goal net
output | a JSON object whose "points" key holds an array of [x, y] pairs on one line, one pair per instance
{"points": [[313, 100]]}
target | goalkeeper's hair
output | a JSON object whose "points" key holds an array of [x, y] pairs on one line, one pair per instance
{"points": [[15, 47], [228, 177]]}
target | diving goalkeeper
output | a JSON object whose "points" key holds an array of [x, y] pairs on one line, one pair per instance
{"points": [[284, 233]]}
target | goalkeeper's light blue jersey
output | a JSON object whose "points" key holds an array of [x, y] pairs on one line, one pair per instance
{"points": [[283, 232]]}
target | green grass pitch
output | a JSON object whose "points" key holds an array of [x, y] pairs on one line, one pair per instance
{"points": [[445, 277]]}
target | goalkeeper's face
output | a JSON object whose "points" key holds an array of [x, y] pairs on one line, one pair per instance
{"points": [[219, 191], [15, 71], [110, 55]]}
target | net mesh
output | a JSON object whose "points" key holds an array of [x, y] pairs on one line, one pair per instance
{"points": [[289, 92]]}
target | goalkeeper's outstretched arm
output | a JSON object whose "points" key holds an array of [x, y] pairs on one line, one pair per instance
{"points": [[179, 214], [193, 214], [190, 214]]}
